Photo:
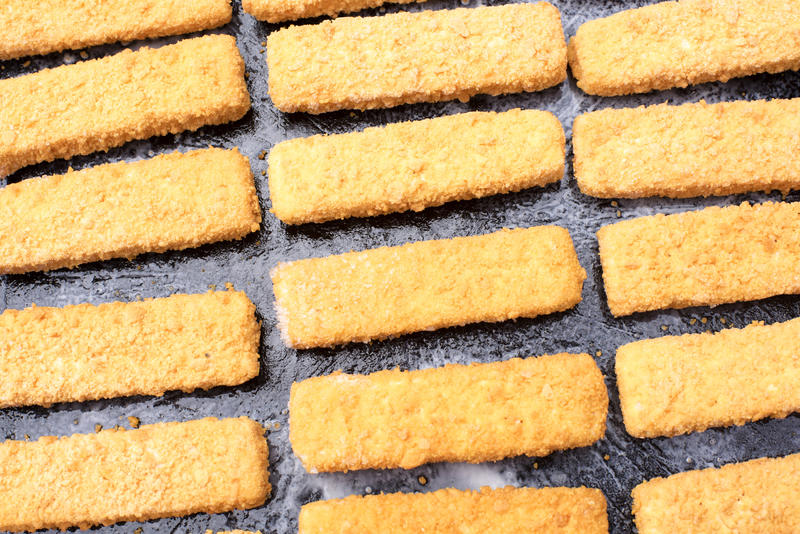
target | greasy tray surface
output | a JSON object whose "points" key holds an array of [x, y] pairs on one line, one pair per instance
{"points": [[588, 327]]}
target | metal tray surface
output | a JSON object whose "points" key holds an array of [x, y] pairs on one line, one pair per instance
{"points": [[615, 464]]}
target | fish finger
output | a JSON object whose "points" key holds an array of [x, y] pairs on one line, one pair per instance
{"points": [[283, 10], [390, 291]]}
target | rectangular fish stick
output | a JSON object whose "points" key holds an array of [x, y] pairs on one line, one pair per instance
{"points": [[103, 103], [690, 150], [450, 511], [679, 384], [46, 26], [752, 497], [414, 165], [701, 258], [85, 352], [390, 291], [403, 58], [170, 202], [457, 413], [283, 10], [675, 44], [162, 470]]}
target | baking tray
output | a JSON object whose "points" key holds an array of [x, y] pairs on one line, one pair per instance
{"points": [[615, 464]]}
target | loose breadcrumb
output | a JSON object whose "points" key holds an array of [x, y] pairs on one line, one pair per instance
{"points": [[167, 469], [403, 58], [690, 150], [283, 10], [170, 202], [701, 258], [450, 511], [46, 26], [414, 165], [85, 352], [234, 532], [749, 497], [103, 103], [457, 413], [680, 384], [675, 44], [427, 285]]}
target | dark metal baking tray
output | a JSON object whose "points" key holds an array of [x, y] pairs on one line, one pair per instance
{"points": [[588, 327]]}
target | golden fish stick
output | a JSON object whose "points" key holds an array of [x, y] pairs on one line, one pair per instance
{"points": [[457, 413], [283, 10], [414, 165], [701, 258], [747, 498], [690, 150], [450, 511], [675, 44], [403, 58], [46, 26], [103, 103], [678, 384], [173, 201], [162, 470], [85, 352], [427, 285]]}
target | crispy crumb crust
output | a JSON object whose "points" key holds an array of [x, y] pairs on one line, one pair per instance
{"points": [[46, 26], [675, 44], [402, 58], [679, 384], [450, 511], [103, 103], [283, 10], [701, 258], [749, 497], [457, 413], [170, 202], [426, 285], [85, 352], [162, 470], [690, 150], [414, 165]]}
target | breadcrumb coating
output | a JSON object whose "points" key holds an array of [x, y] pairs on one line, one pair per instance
{"points": [[450, 511], [701, 258], [403, 58], [457, 413], [747, 498], [414, 165], [46, 26], [690, 150], [679, 384], [103, 103], [170, 202], [283, 10], [390, 291], [85, 352], [162, 470]]}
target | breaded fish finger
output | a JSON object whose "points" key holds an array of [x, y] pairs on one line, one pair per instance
{"points": [[403, 58], [414, 165], [690, 150], [675, 44], [450, 511], [678, 384], [87, 352], [747, 498], [701, 258], [173, 201], [390, 291], [103, 103], [167, 469], [457, 413], [46, 26], [283, 10]]}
